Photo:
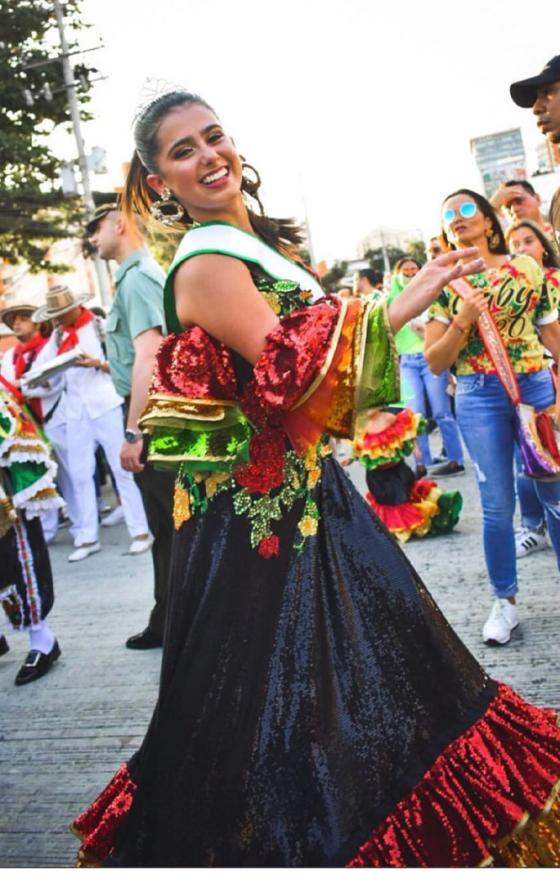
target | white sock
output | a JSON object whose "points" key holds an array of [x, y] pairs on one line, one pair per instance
{"points": [[41, 638]]}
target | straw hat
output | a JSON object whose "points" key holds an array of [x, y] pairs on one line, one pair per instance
{"points": [[60, 300], [8, 314]]}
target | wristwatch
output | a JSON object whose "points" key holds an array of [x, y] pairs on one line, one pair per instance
{"points": [[132, 436]]}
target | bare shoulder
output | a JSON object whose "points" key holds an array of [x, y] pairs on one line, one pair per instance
{"points": [[205, 272], [209, 288]]}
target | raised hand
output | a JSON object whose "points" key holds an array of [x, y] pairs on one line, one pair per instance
{"points": [[474, 303], [428, 283]]}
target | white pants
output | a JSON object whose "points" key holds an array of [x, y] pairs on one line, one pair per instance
{"points": [[83, 436], [58, 436], [49, 522]]}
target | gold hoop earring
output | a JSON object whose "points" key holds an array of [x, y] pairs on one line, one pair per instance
{"points": [[493, 239], [167, 200]]}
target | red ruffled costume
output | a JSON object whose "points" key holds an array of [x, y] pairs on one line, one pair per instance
{"points": [[407, 507], [315, 707]]}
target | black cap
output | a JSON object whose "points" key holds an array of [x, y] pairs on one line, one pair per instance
{"points": [[524, 93], [100, 213]]}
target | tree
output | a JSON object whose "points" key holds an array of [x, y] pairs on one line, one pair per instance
{"points": [[375, 257], [417, 250], [34, 212], [331, 279]]}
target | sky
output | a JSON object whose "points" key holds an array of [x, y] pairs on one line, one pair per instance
{"points": [[360, 111]]}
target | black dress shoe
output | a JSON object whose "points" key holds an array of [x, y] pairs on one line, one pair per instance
{"points": [[450, 468], [36, 665], [4, 646], [144, 641]]}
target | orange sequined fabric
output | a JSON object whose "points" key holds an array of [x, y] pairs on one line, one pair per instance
{"points": [[477, 792]]}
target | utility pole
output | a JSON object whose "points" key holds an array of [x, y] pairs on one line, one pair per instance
{"points": [[386, 264], [100, 268]]}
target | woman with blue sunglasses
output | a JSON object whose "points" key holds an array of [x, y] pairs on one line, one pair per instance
{"points": [[524, 309]]}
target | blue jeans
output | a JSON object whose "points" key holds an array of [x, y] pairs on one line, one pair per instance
{"points": [[486, 417], [533, 515], [432, 388]]}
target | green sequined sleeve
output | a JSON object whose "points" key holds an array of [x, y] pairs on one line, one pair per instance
{"points": [[379, 381]]}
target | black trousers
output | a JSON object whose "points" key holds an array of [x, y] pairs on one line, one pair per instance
{"points": [[156, 488]]}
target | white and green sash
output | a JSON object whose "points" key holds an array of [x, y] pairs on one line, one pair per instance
{"points": [[219, 237]]}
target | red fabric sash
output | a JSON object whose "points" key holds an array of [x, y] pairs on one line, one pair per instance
{"points": [[23, 357], [70, 337], [495, 347], [13, 389], [26, 353], [34, 406]]}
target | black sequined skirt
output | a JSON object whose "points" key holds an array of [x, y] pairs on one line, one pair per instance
{"points": [[301, 696]]}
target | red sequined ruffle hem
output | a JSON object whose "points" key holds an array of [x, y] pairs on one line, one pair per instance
{"points": [[489, 798], [481, 801], [96, 827]]}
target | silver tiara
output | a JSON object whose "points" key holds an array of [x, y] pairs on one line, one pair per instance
{"points": [[152, 89]]}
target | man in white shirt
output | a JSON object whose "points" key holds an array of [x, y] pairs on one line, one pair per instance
{"points": [[16, 362], [93, 417]]}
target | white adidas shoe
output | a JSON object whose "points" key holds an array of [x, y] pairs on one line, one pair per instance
{"points": [[502, 621], [528, 541]]}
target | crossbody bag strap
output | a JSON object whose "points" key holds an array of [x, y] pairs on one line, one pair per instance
{"points": [[493, 342]]}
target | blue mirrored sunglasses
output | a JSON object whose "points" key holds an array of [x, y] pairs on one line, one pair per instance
{"points": [[466, 210]]}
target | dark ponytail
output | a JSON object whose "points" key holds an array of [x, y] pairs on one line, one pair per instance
{"points": [[137, 197]]}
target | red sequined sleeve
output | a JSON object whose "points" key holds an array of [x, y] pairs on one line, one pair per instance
{"points": [[294, 355], [320, 366]]}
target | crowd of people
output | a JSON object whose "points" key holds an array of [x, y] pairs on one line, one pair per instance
{"points": [[83, 382], [315, 707]]}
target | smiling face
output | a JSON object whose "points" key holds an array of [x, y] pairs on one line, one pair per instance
{"points": [[464, 231], [197, 161], [408, 269], [524, 241], [547, 111]]}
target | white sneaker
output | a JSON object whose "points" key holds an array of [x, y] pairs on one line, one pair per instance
{"points": [[115, 517], [527, 541], [502, 621], [81, 552], [138, 546]]}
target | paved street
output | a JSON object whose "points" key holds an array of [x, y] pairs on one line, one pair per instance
{"points": [[63, 737]]}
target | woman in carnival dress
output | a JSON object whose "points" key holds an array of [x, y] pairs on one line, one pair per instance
{"points": [[315, 707], [525, 313], [526, 237]]}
